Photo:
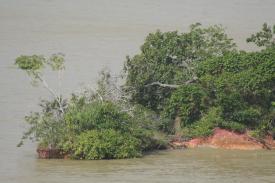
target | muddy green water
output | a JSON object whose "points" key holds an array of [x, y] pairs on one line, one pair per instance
{"points": [[99, 33]]}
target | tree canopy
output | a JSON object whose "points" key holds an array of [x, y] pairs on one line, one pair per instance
{"points": [[180, 83], [170, 58], [199, 73]]}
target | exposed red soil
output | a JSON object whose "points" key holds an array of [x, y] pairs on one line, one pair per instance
{"points": [[226, 139]]}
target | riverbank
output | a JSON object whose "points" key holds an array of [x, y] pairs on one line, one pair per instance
{"points": [[221, 138], [226, 139]]}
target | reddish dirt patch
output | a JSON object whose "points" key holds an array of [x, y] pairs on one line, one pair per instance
{"points": [[225, 139], [230, 140], [270, 142]]}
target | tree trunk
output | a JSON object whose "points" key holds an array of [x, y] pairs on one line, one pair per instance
{"points": [[177, 126]]}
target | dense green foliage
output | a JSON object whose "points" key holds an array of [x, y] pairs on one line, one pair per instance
{"points": [[169, 58], [92, 130], [106, 144], [234, 87], [46, 126], [188, 102], [181, 83], [241, 84], [264, 38], [98, 116], [90, 125], [35, 64]]}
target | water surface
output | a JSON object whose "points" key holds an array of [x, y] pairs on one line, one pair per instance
{"points": [[99, 33]]}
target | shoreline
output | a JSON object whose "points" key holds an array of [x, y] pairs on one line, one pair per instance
{"points": [[225, 139], [220, 139]]}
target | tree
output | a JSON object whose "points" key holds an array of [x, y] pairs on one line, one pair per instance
{"points": [[264, 38], [33, 65], [47, 127], [167, 60], [241, 84]]}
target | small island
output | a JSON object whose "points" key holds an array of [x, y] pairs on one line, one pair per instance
{"points": [[182, 90]]}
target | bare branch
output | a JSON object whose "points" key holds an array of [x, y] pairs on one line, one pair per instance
{"points": [[58, 98], [101, 98], [163, 85], [172, 85]]}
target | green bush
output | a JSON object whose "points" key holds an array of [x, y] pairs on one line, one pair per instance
{"points": [[234, 126], [46, 127], [98, 116], [106, 144], [167, 125], [229, 102], [101, 118], [187, 102], [150, 139], [249, 116], [242, 84], [204, 126], [267, 126]]}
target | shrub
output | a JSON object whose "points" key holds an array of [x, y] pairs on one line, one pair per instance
{"points": [[167, 125], [106, 118], [204, 127], [249, 116], [150, 139], [234, 126], [267, 126], [47, 127], [97, 116], [187, 102], [106, 144]]}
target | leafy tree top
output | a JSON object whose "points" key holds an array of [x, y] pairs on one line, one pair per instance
{"points": [[34, 65], [264, 38], [170, 58]]}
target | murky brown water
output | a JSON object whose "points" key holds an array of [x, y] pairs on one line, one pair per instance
{"points": [[98, 33]]}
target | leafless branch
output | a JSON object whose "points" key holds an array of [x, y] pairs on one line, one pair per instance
{"points": [[45, 84], [163, 85], [173, 86]]}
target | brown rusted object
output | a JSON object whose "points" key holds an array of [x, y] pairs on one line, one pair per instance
{"points": [[47, 153]]}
